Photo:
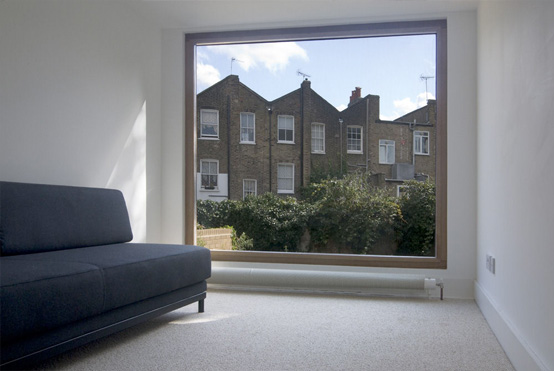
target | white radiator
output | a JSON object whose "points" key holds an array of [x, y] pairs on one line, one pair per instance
{"points": [[311, 280]]}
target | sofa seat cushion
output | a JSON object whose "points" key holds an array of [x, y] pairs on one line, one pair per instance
{"points": [[127, 273], [40, 295]]}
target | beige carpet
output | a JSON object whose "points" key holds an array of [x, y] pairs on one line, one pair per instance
{"points": [[273, 331]]}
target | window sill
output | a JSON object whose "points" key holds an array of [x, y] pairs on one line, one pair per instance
{"points": [[209, 138], [354, 152], [251, 143], [318, 153], [330, 259], [285, 192], [283, 142], [209, 190]]}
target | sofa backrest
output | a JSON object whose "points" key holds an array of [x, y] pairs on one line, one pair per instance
{"points": [[37, 218]]}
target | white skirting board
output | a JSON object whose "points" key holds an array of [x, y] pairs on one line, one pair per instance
{"points": [[306, 280], [517, 349]]}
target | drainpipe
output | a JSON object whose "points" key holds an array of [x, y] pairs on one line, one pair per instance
{"points": [[228, 147], [301, 134], [340, 128], [270, 111], [367, 135], [412, 130]]}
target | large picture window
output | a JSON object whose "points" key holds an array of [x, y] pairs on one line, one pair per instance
{"points": [[358, 138]]}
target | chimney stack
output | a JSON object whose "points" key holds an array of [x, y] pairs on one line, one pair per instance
{"points": [[356, 94]]}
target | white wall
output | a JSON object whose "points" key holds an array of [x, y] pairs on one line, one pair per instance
{"points": [[516, 177], [219, 195], [462, 57], [75, 75], [80, 101]]}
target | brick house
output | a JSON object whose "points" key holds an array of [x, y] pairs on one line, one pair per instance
{"points": [[248, 145]]}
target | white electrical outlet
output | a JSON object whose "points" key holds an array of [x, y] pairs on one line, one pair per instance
{"points": [[491, 263]]}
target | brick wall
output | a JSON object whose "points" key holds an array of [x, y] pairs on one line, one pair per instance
{"points": [[259, 161], [215, 238]]}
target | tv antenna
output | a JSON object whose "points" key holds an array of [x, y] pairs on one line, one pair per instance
{"points": [[423, 77], [233, 60], [304, 75]]}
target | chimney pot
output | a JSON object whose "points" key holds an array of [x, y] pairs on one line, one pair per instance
{"points": [[357, 93]]}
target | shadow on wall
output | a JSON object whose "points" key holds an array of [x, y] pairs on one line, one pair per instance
{"points": [[129, 175]]}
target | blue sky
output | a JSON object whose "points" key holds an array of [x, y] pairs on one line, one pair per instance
{"points": [[390, 67]]}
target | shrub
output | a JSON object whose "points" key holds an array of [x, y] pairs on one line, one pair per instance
{"points": [[349, 212], [274, 223], [242, 242], [416, 229], [265, 223], [347, 215], [212, 214]]}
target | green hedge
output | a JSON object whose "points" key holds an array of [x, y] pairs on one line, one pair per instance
{"points": [[349, 213], [416, 229], [273, 223], [339, 214]]}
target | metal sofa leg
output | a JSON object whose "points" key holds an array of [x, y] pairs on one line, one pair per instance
{"points": [[201, 306]]}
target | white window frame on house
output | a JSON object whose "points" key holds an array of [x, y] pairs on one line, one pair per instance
{"points": [[359, 142], [400, 189], [246, 129], [204, 135], [247, 189], [281, 119], [435, 27], [421, 142], [216, 174], [389, 147], [281, 176], [318, 142]]}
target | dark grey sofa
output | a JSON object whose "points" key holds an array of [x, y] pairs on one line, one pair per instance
{"points": [[69, 275]]}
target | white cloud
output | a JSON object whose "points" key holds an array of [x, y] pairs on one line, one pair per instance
{"points": [[389, 118], [272, 56], [207, 74], [404, 106], [422, 99]]}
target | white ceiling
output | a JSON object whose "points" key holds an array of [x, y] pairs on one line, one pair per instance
{"points": [[223, 15]]}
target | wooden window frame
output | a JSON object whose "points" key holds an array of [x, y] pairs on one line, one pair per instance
{"points": [[285, 191], [418, 137], [279, 129], [253, 128], [203, 188], [244, 187], [209, 137], [355, 151], [435, 27], [387, 143], [317, 151]]}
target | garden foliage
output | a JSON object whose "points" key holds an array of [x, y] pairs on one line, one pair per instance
{"points": [[338, 215]]}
